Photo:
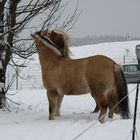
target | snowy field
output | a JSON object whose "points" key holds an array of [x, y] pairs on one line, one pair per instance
{"points": [[29, 120]]}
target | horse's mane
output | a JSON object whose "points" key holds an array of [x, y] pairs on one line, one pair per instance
{"points": [[66, 40]]}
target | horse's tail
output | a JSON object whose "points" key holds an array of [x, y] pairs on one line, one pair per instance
{"points": [[122, 92]]}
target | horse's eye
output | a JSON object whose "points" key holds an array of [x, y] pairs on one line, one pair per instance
{"points": [[49, 33]]}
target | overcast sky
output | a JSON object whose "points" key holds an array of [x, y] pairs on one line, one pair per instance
{"points": [[106, 17]]}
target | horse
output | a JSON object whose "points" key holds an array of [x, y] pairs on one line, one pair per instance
{"points": [[98, 75]]}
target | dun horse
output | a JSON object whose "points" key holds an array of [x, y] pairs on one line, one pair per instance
{"points": [[98, 75]]}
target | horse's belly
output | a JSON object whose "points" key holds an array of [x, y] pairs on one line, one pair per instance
{"points": [[76, 92], [74, 89]]}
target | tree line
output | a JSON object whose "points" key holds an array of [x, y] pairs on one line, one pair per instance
{"points": [[101, 39]]}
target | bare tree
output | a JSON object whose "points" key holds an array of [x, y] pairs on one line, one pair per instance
{"points": [[2, 50], [15, 18]]}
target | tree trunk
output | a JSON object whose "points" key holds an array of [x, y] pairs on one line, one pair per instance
{"points": [[2, 82], [2, 59], [5, 50]]}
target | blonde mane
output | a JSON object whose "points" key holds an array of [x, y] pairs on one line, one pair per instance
{"points": [[66, 41]]}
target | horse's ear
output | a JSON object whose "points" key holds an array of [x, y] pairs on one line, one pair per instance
{"points": [[32, 36]]}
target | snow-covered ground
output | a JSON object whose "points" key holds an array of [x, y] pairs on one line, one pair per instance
{"points": [[29, 120]]}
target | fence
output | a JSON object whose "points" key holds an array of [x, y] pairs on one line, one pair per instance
{"points": [[29, 77]]}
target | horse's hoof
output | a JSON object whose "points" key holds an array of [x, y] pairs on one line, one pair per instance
{"points": [[51, 118], [101, 121], [57, 114]]}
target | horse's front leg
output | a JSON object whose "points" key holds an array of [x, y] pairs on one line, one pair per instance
{"points": [[52, 98], [59, 101]]}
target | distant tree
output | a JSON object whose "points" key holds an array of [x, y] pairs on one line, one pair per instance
{"points": [[100, 39], [15, 15]]}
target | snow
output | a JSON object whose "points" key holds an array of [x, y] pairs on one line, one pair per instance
{"points": [[29, 120], [114, 50]]}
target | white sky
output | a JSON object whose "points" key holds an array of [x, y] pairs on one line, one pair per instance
{"points": [[106, 17]]}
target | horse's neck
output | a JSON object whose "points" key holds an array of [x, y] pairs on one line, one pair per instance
{"points": [[47, 58]]}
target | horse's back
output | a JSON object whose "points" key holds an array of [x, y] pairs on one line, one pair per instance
{"points": [[101, 60], [100, 68]]}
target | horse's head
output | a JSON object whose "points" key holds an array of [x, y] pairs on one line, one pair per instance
{"points": [[60, 39], [43, 43]]}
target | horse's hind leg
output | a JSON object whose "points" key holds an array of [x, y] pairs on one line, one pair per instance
{"points": [[59, 101], [52, 98], [96, 108], [101, 105], [113, 107], [103, 108], [111, 110], [100, 100], [111, 104]]}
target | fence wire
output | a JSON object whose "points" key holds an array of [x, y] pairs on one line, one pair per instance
{"points": [[91, 125]]}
